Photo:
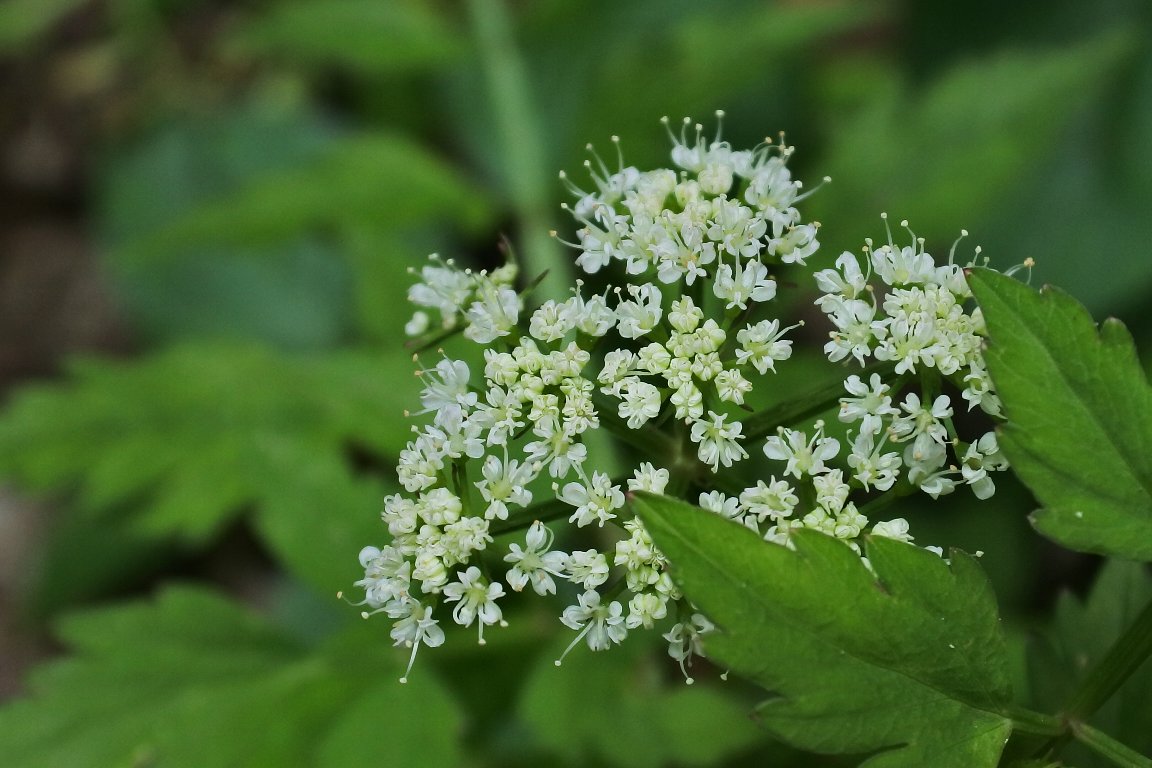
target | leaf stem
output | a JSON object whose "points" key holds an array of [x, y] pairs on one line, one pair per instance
{"points": [[1027, 721], [1107, 747], [1123, 658]]}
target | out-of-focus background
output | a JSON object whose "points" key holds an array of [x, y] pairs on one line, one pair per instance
{"points": [[206, 213]]}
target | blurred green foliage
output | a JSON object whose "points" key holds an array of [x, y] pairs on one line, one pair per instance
{"points": [[258, 194]]}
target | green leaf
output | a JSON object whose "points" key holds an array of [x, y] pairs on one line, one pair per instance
{"points": [[909, 662], [178, 444], [1079, 408], [363, 35], [619, 707], [378, 181], [191, 679], [294, 294], [1080, 635]]}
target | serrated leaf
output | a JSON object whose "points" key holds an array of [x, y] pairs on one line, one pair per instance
{"points": [[1080, 635], [364, 35], [378, 181], [617, 707], [1079, 409], [909, 662], [193, 680], [178, 444]]}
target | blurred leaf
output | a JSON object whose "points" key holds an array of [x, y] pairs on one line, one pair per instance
{"points": [[947, 155], [375, 180], [1081, 634], [22, 21], [910, 660], [1079, 431], [363, 35], [180, 443], [68, 573], [192, 680], [1091, 197], [616, 707], [295, 296]]}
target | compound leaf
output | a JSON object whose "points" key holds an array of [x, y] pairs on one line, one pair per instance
{"points": [[191, 679], [908, 662], [178, 444], [1079, 408]]}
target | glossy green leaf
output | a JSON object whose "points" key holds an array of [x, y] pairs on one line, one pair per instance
{"points": [[1079, 410], [620, 708], [178, 444], [363, 35], [190, 679], [908, 662]]}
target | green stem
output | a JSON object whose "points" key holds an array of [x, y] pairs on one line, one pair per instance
{"points": [[1027, 721], [1123, 658], [1107, 747], [765, 422], [525, 174], [650, 441]]}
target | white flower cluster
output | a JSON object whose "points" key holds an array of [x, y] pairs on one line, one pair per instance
{"points": [[665, 361], [908, 311]]}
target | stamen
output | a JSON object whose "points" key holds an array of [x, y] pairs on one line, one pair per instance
{"points": [[411, 660], [572, 644]]}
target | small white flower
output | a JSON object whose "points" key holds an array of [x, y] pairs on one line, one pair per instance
{"points": [[718, 441], [774, 500], [588, 568], [475, 599], [739, 284], [870, 403], [649, 478], [415, 627], [536, 563], [645, 609], [762, 345], [493, 315], [893, 529], [684, 641], [804, 456], [639, 317], [873, 469], [726, 506], [600, 625], [640, 401], [594, 500]]}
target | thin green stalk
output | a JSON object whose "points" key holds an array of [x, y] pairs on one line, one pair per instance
{"points": [[1027, 721], [522, 149], [1107, 747], [764, 423], [1123, 658]]}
